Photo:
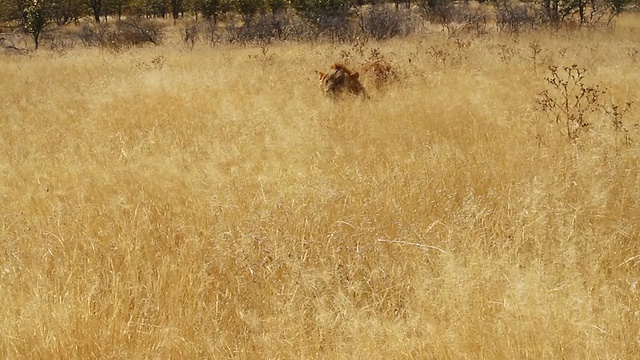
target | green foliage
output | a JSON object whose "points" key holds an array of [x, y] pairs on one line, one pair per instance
{"points": [[65, 11], [248, 8], [314, 10], [159, 8], [209, 8], [117, 7], [585, 11], [11, 10], [96, 8], [326, 17], [277, 5], [36, 20], [618, 5], [432, 4]]}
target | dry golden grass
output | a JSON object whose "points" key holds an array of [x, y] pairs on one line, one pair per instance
{"points": [[163, 203]]}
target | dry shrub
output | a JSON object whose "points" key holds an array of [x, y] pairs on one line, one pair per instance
{"points": [[60, 39], [382, 22], [380, 70], [137, 32], [261, 29], [10, 43], [515, 17], [129, 33], [191, 31], [93, 34]]}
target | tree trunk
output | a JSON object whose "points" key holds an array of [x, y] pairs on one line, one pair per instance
{"points": [[581, 6]]}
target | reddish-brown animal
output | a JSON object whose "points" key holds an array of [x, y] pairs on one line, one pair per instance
{"points": [[383, 72], [340, 80]]}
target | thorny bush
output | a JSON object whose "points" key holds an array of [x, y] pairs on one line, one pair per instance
{"points": [[573, 104], [570, 100]]}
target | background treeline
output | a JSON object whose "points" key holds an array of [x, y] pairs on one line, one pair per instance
{"points": [[266, 20]]}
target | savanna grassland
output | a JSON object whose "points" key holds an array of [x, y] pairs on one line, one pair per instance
{"points": [[168, 203]]}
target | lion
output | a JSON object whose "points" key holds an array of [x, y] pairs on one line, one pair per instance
{"points": [[340, 80], [383, 72]]}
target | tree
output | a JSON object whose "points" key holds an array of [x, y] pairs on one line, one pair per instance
{"points": [[210, 9], [587, 11], [248, 8], [96, 8], [36, 20], [176, 8], [551, 9], [117, 7], [317, 10], [618, 5], [65, 11], [12, 11], [159, 8]]}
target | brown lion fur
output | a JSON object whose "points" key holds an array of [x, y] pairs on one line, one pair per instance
{"points": [[382, 71], [340, 80]]}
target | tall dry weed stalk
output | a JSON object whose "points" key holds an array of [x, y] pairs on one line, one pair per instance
{"points": [[572, 101]]}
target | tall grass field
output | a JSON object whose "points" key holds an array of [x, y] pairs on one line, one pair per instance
{"points": [[163, 202]]}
